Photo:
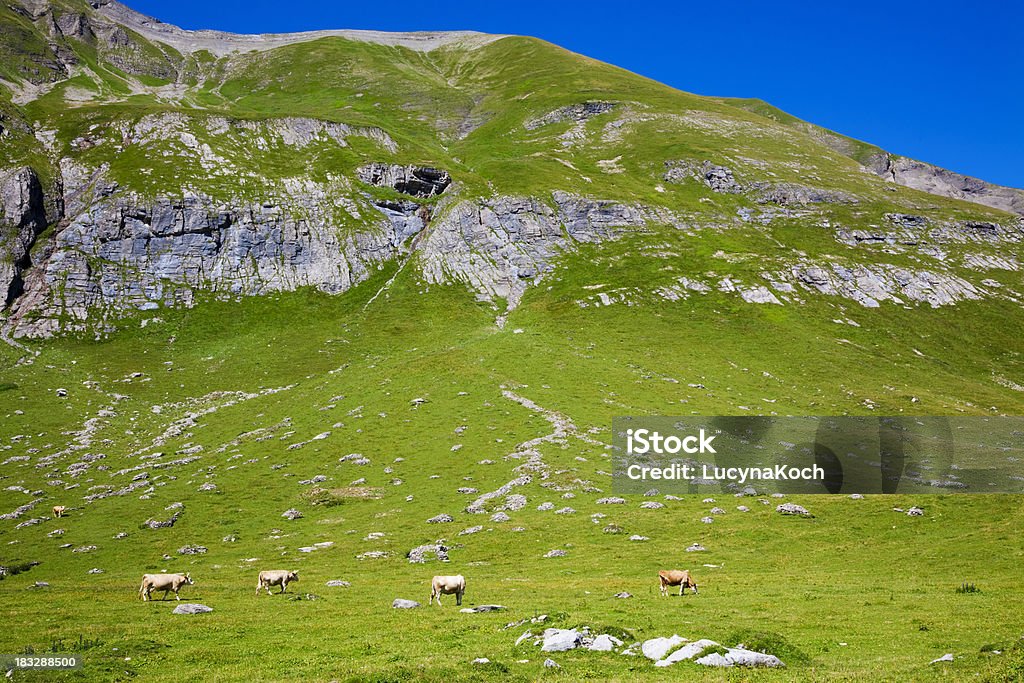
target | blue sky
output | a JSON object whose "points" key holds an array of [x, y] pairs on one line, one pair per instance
{"points": [[938, 81]]}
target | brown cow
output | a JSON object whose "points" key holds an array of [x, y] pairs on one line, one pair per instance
{"points": [[59, 510], [675, 577]]}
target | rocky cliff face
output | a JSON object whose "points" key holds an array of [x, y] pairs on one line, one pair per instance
{"points": [[22, 218], [118, 252], [935, 180]]}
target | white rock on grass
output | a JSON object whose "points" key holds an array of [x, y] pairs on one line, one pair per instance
{"points": [[401, 603], [605, 643], [551, 664], [688, 651], [792, 509], [656, 648], [555, 553], [741, 657], [948, 657], [560, 639], [192, 608], [443, 518]]}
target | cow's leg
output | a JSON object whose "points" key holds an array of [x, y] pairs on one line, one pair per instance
{"points": [[176, 596], [458, 598], [284, 584], [682, 587]]}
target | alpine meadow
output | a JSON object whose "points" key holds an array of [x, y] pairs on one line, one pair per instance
{"points": [[362, 306]]}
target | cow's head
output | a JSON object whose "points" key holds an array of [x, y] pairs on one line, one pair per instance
{"points": [[293, 576], [188, 580]]}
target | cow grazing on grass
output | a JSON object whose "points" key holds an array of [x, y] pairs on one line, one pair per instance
{"points": [[446, 585], [165, 583], [675, 577], [59, 510], [276, 577]]}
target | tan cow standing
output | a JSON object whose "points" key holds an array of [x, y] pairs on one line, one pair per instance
{"points": [[165, 583], [675, 577], [275, 577], [447, 585], [59, 510]]}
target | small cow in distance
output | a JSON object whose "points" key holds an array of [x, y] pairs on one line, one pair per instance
{"points": [[276, 577], [165, 583], [675, 577], [446, 585], [59, 510]]}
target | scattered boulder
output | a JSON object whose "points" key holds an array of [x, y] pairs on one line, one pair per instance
{"points": [[292, 514], [440, 519], [915, 512], [792, 509], [401, 603], [481, 660], [688, 651], [551, 664], [337, 583], [471, 530], [656, 648], [623, 595], [604, 643], [695, 548], [192, 608], [611, 500], [638, 537], [192, 550], [479, 609], [561, 639], [500, 517], [544, 507], [418, 555], [555, 553], [948, 657], [651, 505]]}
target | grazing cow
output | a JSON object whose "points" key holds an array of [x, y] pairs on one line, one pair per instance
{"points": [[675, 577], [276, 577], [165, 583], [59, 510], [446, 585]]}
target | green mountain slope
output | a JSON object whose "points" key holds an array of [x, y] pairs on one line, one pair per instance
{"points": [[374, 278]]}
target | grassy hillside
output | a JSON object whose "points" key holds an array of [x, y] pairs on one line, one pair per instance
{"points": [[226, 412]]}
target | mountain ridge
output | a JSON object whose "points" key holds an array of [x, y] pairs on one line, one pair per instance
{"points": [[140, 175]]}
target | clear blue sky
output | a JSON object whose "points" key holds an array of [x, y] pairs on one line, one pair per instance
{"points": [[939, 81]]}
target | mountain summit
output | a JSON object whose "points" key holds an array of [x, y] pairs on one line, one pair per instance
{"points": [[145, 166]]}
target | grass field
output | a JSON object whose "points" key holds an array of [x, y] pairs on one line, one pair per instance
{"points": [[857, 573], [368, 411]]}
